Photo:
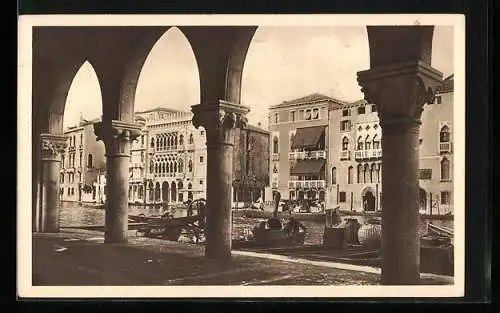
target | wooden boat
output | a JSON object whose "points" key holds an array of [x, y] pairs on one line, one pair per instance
{"points": [[317, 217], [272, 233]]}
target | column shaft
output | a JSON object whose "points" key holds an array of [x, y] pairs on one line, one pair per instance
{"points": [[48, 215], [49, 222], [116, 217], [400, 217], [219, 220]]}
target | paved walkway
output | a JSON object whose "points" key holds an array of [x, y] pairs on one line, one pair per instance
{"points": [[79, 257]]}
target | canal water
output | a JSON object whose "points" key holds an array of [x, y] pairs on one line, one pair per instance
{"points": [[74, 214]]}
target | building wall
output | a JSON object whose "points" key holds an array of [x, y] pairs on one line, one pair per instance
{"points": [[283, 130], [250, 159], [362, 125], [81, 143], [434, 117]]}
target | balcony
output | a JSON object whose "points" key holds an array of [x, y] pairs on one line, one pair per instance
{"points": [[368, 154], [444, 147], [274, 184], [305, 155], [275, 156], [293, 184], [190, 146], [136, 164], [345, 155]]}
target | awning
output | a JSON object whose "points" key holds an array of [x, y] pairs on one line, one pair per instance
{"points": [[307, 137], [307, 167]]}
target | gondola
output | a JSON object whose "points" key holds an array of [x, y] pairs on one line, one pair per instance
{"points": [[274, 233]]}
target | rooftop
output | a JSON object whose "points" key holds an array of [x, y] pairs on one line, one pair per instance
{"points": [[158, 109], [312, 98]]}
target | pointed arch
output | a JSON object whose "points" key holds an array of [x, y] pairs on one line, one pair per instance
{"points": [[445, 169], [360, 143], [345, 143], [275, 144], [444, 134]]}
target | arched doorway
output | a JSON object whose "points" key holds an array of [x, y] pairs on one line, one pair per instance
{"points": [[174, 192], [157, 191], [164, 188], [369, 200], [180, 188]]}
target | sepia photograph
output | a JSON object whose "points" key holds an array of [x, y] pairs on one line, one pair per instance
{"points": [[241, 156]]}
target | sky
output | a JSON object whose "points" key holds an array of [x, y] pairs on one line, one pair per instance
{"points": [[282, 63]]}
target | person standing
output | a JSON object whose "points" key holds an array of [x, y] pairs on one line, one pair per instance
{"points": [[277, 198]]}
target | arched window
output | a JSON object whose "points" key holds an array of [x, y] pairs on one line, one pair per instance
{"points": [[190, 166], [360, 143], [90, 161], [360, 172], [345, 144], [275, 144], [334, 175], [444, 134], [350, 177], [190, 186], [376, 142], [445, 169], [156, 168], [368, 143], [157, 142], [373, 173], [171, 167], [181, 140], [367, 174], [379, 172], [62, 178], [152, 142], [165, 168], [191, 140], [175, 167], [181, 166]]}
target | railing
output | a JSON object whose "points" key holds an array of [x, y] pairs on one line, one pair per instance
{"points": [[444, 147], [368, 154], [319, 154], [167, 148], [345, 155], [189, 146], [136, 164], [275, 156], [306, 184]]}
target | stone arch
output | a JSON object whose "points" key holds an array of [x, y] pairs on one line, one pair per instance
{"points": [[165, 189]]}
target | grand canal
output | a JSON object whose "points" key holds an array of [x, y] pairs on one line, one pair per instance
{"points": [[74, 214]]}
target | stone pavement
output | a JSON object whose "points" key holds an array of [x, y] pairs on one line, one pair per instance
{"points": [[80, 258]]}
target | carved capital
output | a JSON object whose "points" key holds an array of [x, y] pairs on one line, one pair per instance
{"points": [[117, 136], [400, 91], [52, 146], [219, 119]]}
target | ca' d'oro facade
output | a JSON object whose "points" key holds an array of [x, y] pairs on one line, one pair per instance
{"points": [[168, 161], [331, 150]]}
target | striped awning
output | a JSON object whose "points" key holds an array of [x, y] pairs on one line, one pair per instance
{"points": [[308, 167], [307, 137]]}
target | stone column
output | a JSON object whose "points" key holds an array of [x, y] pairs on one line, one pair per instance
{"points": [[400, 92], [117, 136], [219, 120], [48, 216]]}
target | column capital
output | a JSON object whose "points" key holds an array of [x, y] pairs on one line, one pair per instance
{"points": [[117, 135], [51, 146], [219, 118], [400, 90]]}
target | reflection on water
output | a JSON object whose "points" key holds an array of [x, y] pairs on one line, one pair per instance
{"points": [[73, 214]]}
